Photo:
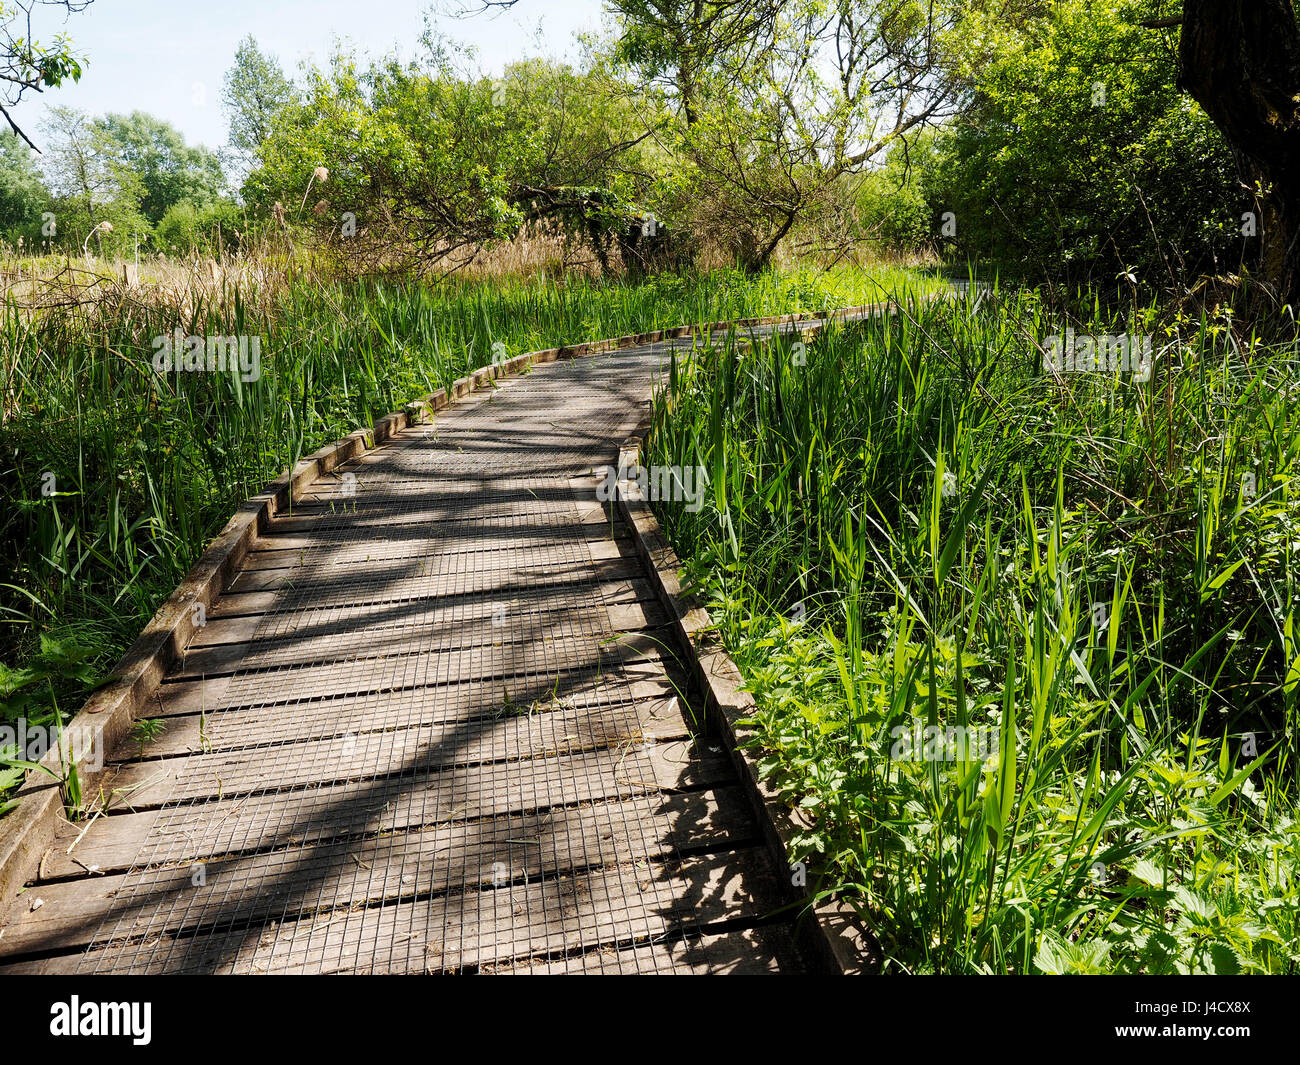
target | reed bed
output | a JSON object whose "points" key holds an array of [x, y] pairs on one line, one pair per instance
{"points": [[1023, 644]]}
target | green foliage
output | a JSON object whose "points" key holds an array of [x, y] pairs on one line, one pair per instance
{"points": [[775, 109], [75, 223], [23, 195], [910, 525], [58, 662], [112, 179], [435, 163], [255, 91], [209, 229], [1079, 159], [32, 694], [167, 171], [27, 64], [90, 186], [147, 730], [894, 203], [720, 120]]}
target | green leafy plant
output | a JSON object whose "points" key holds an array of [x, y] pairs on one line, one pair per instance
{"points": [[911, 526]]}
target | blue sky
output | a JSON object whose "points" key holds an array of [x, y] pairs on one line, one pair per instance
{"points": [[168, 57]]}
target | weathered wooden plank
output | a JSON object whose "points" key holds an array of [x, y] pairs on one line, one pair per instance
{"points": [[288, 600], [521, 735], [761, 951], [631, 605], [397, 542], [557, 506], [582, 912], [515, 663], [334, 811], [400, 579], [657, 765], [406, 740], [496, 625], [192, 697], [487, 928], [461, 856], [332, 519], [451, 705], [339, 633]]}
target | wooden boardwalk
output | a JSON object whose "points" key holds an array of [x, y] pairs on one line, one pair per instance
{"points": [[434, 724]]}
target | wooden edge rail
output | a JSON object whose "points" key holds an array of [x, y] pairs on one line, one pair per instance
{"points": [[104, 720], [829, 931]]}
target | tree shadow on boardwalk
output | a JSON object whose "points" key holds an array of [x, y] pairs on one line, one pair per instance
{"points": [[437, 823]]}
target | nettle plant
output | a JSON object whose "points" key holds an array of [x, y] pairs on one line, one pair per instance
{"points": [[29, 704]]}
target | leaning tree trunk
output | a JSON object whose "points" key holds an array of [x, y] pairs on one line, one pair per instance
{"points": [[1240, 60]]}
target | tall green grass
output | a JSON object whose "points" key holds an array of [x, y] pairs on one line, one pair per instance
{"points": [[909, 524], [116, 477]]}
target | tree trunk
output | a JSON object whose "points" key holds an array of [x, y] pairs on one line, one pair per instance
{"points": [[760, 258], [1240, 60]]}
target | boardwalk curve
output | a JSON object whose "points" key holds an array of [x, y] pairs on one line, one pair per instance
{"points": [[434, 724]]}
